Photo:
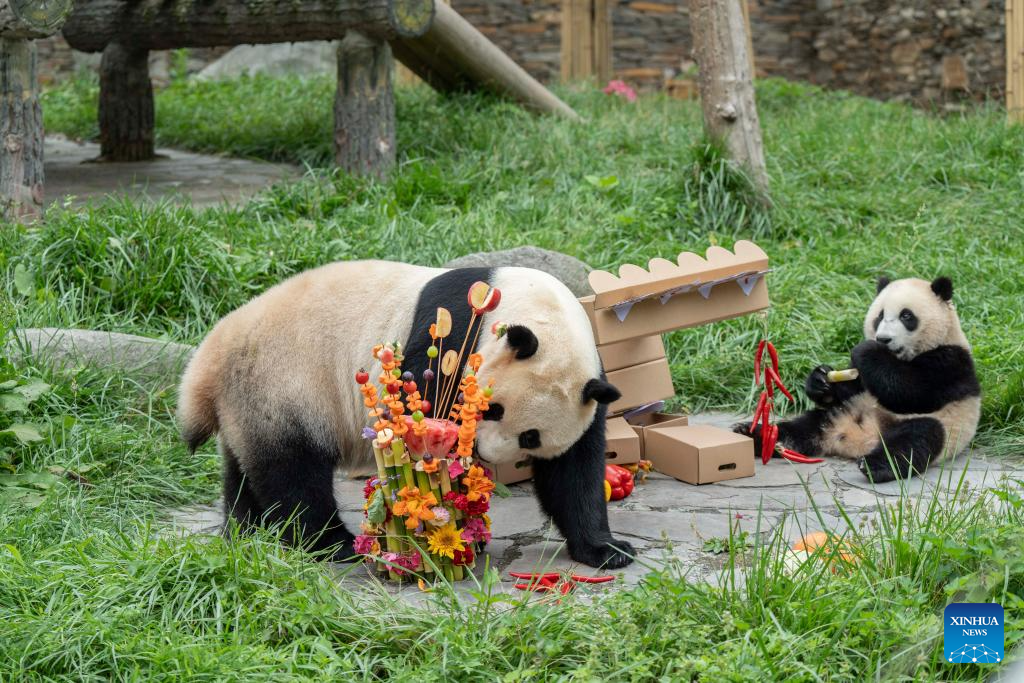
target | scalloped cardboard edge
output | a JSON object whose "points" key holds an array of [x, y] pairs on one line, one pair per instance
{"points": [[661, 275]]}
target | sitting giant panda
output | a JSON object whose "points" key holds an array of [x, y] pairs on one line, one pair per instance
{"points": [[916, 400], [274, 381]]}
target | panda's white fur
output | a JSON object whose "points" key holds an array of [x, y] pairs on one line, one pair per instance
{"points": [[310, 333], [275, 381]]}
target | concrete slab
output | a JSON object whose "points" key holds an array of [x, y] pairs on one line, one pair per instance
{"points": [[72, 178], [668, 521]]}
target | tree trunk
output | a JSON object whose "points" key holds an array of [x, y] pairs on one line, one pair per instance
{"points": [[453, 55], [126, 105], [21, 131], [726, 84], [32, 18], [364, 107], [172, 24]]}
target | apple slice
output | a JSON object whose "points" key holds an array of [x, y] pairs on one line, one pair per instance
{"points": [[482, 297], [444, 323]]}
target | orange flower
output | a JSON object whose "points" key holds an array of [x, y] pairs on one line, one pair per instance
{"points": [[478, 485], [415, 506], [475, 361]]}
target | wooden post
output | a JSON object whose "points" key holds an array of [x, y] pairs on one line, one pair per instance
{"points": [[586, 39], [364, 107], [126, 105], [1015, 60], [726, 84], [21, 132]]}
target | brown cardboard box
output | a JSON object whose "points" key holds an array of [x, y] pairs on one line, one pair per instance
{"points": [[510, 472], [699, 454], [623, 443], [650, 316], [641, 384], [641, 423], [631, 352], [668, 296]]}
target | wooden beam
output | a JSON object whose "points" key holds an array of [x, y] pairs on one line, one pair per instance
{"points": [[1015, 60], [453, 55], [726, 84], [172, 24]]}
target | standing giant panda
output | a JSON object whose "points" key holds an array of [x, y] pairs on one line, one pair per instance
{"points": [[274, 381], [916, 400]]}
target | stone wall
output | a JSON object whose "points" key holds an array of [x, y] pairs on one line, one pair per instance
{"points": [[915, 50], [918, 50]]}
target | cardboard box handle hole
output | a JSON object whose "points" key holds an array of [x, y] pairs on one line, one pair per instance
{"points": [[525, 463], [729, 466], [611, 455]]}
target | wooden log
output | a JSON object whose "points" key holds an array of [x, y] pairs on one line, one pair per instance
{"points": [[21, 132], [126, 105], [172, 24], [452, 55], [32, 18], [726, 84], [603, 67], [364, 107]]}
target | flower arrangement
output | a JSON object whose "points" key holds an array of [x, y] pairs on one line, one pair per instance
{"points": [[426, 510]]}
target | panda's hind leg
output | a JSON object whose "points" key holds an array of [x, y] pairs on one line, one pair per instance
{"points": [[293, 482], [906, 447], [239, 499]]}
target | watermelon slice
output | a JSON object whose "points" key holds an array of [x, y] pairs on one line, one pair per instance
{"points": [[438, 441]]}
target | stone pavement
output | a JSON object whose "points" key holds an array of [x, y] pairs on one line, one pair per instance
{"points": [[199, 179], [669, 521]]}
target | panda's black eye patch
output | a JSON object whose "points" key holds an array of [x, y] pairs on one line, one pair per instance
{"points": [[878, 319], [495, 412], [908, 319], [529, 439]]}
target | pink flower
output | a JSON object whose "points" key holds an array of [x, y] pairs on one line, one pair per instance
{"points": [[620, 88], [455, 469], [400, 564], [366, 545], [475, 530]]}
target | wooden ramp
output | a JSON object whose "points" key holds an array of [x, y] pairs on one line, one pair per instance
{"points": [[452, 56]]}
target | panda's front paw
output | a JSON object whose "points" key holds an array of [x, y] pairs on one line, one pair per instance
{"points": [[866, 352], [755, 434], [613, 554], [877, 473], [818, 388]]}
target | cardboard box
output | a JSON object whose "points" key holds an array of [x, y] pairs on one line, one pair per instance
{"points": [[668, 296], [641, 423], [510, 472], [623, 446], [631, 352], [699, 454], [650, 316], [641, 384]]}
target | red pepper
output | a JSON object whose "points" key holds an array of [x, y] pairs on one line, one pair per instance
{"points": [[592, 579], [757, 361], [620, 479], [761, 407], [773, 375], [799, 457], [766, 431], [774, 355]]}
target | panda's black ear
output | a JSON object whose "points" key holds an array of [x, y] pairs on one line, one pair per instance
{"points": [[522, 340], [601, 391], [883, 282], [943, 287]]}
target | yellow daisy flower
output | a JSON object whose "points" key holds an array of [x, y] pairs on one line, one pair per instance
{"points": [[445, 540]]}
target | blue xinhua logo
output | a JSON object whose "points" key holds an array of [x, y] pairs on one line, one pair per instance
{"points": [[973, 633]]}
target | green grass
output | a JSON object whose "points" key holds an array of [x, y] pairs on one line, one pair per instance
{"points": [[90, 589]]}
